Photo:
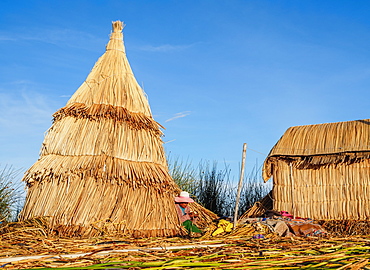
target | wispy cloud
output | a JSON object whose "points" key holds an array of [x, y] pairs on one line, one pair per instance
{"points": [[77, 39], [5, 38], [165, 48], [25, 115], [178, 115], [65, 37], [23, 109]]}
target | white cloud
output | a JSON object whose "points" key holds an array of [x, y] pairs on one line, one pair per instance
{"points": [[23, 109], [178, 115], [165, 48], [62, 37], [5, 38], [24, 117]]}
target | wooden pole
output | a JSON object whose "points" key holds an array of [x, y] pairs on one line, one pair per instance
{"points": [[240, 185]]}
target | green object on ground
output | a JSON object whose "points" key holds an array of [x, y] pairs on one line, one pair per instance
{"points": [[190, 227]]}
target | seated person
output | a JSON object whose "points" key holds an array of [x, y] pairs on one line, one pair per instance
{"points": [[186, 216]]}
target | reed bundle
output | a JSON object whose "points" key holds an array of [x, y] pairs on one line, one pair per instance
{"points": [[259, 208], [102, 167], [322, 171], [346, 227]]}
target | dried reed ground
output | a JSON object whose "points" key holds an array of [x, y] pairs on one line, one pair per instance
{"points": [[238, 252]]}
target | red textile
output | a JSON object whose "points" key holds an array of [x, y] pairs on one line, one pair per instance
{"points": [[305, 228]]}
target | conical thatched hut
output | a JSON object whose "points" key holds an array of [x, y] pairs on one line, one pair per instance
{"points": [[102, 164], [322, 171]]}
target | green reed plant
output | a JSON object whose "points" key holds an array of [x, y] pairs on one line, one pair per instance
{"points": [[10, 194], [212, 187], [183, 173], [214, 190]]}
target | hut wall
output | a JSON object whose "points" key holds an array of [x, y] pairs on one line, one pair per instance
{"points": [[338, 191]]}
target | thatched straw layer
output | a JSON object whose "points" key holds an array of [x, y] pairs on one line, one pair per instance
{"points": [[324, 139], [259, 208], [102, 166], [86, 137]]}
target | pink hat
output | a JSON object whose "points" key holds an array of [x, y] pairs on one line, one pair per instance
{"points": [[183, 197]]}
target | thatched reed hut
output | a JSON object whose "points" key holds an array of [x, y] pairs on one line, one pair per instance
{"points": [[102, 166], [322, 171]]}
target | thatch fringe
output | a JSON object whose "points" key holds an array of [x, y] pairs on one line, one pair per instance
{"points": [[314, 162], [96, 112], [100, 168]]}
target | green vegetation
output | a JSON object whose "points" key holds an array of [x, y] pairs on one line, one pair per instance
{"points": [[10, 195], [213, 188], [253, 190]]}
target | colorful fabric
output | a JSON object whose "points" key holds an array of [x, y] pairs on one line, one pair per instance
{"points": [[191, 227], [286, 214], [223, 226], [285, 226], [301, 227], [277, 226]]}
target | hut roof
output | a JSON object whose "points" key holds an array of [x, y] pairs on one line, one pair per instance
{"points": [[314, 145]]}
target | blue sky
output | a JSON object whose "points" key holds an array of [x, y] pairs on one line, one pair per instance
{"points": [[217, 73]]}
